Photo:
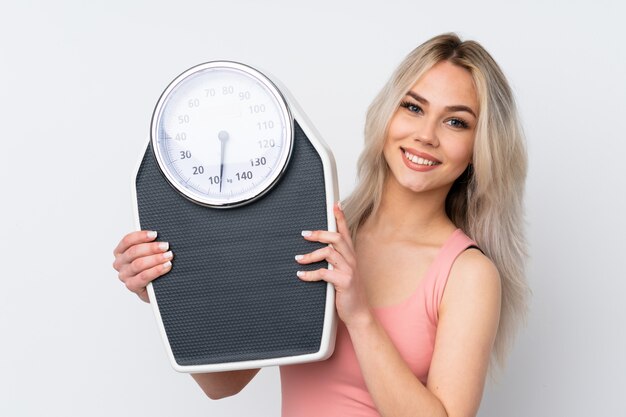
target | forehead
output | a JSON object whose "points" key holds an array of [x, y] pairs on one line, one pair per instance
{"points": [[447, 84]]}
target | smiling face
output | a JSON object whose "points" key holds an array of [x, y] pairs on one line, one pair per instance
{"points": [[430, 138]]}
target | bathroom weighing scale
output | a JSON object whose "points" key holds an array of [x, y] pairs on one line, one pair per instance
{"points": [[232, 174]]}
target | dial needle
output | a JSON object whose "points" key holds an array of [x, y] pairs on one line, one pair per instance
{"points": [[223, 137]]}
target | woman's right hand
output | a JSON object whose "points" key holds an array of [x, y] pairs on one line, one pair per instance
{"points": [[139, 260]]}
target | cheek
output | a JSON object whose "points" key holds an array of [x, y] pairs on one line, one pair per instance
{"points": [[387, 149], [462, 154], [463, 149], [394, 132], [399, 128]]}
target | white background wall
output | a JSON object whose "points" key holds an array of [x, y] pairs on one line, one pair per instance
{"points": [[78, 81]]}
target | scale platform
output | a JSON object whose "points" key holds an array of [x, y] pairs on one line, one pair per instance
{"points": [[232, 299]]}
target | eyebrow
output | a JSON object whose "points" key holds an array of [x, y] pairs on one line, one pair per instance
{"points": [[458, 107]]}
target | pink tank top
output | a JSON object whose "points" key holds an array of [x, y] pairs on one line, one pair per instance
{"points": [[335, 387]]}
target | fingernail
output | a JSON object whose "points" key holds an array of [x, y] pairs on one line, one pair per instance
{"points": [[167, 265], [168, 255], [306, 233], [298, 257], [339, 205], [300, 274], [152, 234], [164, 246]]}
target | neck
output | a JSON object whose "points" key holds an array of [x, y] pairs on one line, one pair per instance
{"points": [[406, 214]]}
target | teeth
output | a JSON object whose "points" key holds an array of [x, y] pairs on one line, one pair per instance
{"points": [[418, 160]]}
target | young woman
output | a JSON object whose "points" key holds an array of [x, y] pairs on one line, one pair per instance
{"points": [[428, 256]]}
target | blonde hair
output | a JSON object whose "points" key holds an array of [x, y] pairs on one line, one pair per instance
{"points": [[486, 201]]}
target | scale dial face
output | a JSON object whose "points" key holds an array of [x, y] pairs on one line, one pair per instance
{"points": [[222, 134]]}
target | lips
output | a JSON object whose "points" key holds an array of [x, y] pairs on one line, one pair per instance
{"points": [[419, 158]]}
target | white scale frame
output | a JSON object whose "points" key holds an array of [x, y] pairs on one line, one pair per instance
{"points": [[328, 338]]}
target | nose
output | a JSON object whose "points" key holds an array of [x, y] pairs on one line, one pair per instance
{"points": [[426, 133]]}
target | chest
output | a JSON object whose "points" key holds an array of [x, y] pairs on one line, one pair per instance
{"points": [[391, 271]]}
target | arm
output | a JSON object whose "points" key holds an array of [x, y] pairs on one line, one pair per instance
{"points": [[468, 320], [139, 260], [219, 385]]}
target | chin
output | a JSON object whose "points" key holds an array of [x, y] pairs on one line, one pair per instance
{"points": [[416, 187]]}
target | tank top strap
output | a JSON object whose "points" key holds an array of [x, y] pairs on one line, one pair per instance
{"points": [[435, 283]]}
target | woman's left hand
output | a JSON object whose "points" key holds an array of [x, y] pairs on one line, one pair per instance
{"points": [[350, 297]]}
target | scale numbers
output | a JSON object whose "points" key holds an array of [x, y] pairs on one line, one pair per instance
{"points": [[222, 134]]}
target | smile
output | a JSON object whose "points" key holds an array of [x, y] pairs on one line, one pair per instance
{"points": [[419, 160]]}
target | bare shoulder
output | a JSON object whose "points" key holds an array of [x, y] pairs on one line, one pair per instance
{"points": [[473, 273], [473, 279], [468, 321], [472, 261]]}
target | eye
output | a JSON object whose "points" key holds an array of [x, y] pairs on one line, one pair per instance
{"points": [[457, 123], [413, 108]]}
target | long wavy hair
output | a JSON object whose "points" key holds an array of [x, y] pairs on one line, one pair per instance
{"points": [[486, 201]]}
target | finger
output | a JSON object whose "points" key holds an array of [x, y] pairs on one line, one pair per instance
{"points": [[134, 238], [326, 253], [138, 283], [143, 295], [332, 276], [142, 263], [144, 249], [325, 236], [342, 224], [138, 251]]}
